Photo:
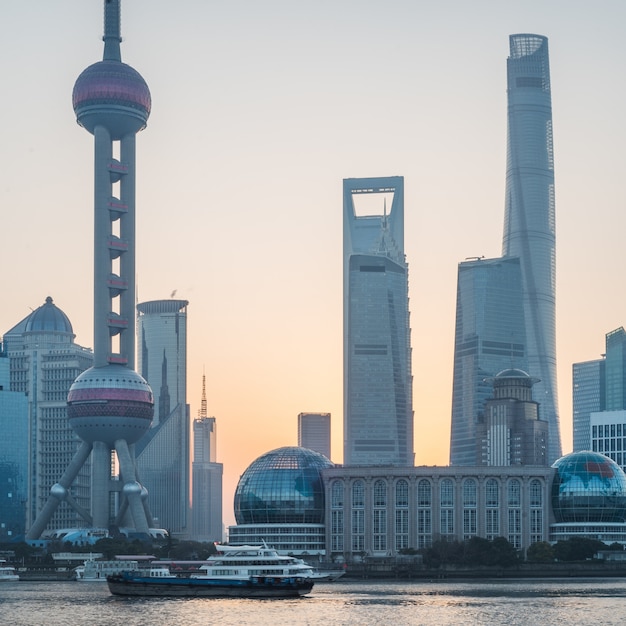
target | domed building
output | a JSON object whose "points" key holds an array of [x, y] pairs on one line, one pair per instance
{"points": [[43, 363], [280, 500], [588, 498]]}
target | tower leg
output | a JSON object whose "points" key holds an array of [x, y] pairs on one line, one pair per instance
{"points": [[132, 489], [58, 492], [100, 477]]}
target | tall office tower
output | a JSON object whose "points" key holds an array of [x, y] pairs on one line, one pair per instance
{"points": [[599, 386], [44, 362], [206, 509], [163, 455], [110, 406], [511, 433], [615, 373], [529, 221], [589, 396], [377, 388], [490, 336], [14, 457], [314, 432]]}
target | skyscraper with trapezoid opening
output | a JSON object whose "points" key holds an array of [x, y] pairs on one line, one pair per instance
{"points": [[378, 405]]}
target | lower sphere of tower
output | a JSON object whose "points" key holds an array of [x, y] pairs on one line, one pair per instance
{"points": [[110, 403]]}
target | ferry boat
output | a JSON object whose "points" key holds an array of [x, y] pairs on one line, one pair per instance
{"points": [[236, 571], [7, 573], [99, 570]]}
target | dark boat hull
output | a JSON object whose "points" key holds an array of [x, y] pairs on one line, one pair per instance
{"points": [[126, 584]]}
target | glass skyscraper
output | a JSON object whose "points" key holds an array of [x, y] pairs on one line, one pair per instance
{"points": [[490, 336], [529, 225], [378, 406], [163, 454], [588, 397]]}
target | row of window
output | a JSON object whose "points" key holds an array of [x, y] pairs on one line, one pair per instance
{"points": [[493, 493], [424, 528]]}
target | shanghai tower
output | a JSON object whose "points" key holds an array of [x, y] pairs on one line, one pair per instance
{"points": [[529, 223]]}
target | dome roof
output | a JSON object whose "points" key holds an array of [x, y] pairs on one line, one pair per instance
{"points": [[588, 487], [283, 486], [114, 95], [512, 373], [48, 318]]}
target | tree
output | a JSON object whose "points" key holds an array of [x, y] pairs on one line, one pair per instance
{"points": [[540, 552]]}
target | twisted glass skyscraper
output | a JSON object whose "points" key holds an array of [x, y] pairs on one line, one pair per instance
{"points": [[529, 223], [378, 407]]}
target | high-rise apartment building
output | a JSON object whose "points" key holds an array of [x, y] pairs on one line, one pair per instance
{"points": [[529, 224], [163, 455], [378, 405], [314, 432], [14, 459], [615, 370], [44, 361], [490, 336], [207, 523]]}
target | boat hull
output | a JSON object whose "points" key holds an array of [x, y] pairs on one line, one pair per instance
{"points": [[255, 587]]}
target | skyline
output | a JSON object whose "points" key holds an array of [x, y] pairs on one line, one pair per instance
{"points": [[242, 135]]}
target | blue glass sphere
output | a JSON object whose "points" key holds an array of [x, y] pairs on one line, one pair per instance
{"points": [[283, 486], [588, 487]]}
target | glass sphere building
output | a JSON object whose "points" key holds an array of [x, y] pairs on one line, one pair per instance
{"points": [[588, 498], [280, 500], [588, 487]]}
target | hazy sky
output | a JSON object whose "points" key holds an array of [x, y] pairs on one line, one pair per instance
{"points": [[260, 109]]}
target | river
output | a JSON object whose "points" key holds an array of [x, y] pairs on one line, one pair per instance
{"points": [[381, 603]]}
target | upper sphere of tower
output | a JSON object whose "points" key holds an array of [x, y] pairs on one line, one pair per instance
{"points": [[114, 95]]}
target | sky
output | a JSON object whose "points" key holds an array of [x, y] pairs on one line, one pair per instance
{"points": [[260, 110]]}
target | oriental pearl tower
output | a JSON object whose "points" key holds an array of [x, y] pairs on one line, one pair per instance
{"points": [[110, 406]]}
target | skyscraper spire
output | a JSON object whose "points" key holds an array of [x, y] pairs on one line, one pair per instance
{"points": [[203, 409], [112, 31]]}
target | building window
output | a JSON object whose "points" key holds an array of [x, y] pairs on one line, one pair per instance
{"points": [[424, 528], [492, 493], [336, 537], [402, 529], [469, 493], [515, 528], [536, 494], [380, 493], [358, 495], [402, 494], [492, 524], [336, 495], [514, 493], [424, 493], [446, 492], [379, 522]]}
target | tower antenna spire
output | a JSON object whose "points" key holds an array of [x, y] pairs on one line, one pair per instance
{"points": [[203, 409], [112, 31]]}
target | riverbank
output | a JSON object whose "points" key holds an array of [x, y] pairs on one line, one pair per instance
{"points": [[526, 570]]}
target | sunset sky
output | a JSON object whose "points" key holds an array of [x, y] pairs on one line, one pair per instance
{"points": [[260, 109]]}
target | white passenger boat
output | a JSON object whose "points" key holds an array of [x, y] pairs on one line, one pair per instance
{"points": [[236, 571], [241, 562], [99, 570], [7, 573]]}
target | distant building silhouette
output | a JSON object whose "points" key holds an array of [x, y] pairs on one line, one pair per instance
{"points": [[163, 455], [207, 521], [378, 405], [314, 432]]}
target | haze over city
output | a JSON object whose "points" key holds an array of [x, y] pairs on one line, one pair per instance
{"points": [[259, 112]]}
